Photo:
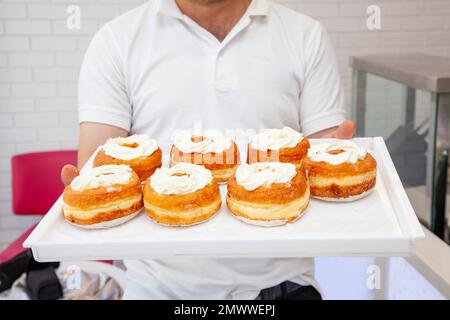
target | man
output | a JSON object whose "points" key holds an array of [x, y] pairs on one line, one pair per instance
{"points": [[231, 64]]}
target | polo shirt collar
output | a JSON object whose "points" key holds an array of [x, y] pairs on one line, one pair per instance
{"points": [[169, 8], [256, 8]]}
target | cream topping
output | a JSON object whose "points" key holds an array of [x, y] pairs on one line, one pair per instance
{"points": [[276, 139], [252, 176], [349, 152], [103, 176], [131, 147], [201, 141], [182, 178]]}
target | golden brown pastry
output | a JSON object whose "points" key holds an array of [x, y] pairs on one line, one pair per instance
{"points": [[209, 148], [268, 193], [140, 152], [278, 145], [340, 171], [103, 197], [183, 195]]}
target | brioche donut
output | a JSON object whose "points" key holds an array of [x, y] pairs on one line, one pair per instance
{"points": [[278, 145], [209, 148], [268, 193], [340, 171], [140, 152], [103, 197], [183, 195]]}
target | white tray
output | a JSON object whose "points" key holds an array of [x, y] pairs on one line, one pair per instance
{"points": [[382, 224]]}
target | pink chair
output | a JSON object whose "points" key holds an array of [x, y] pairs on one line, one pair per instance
{"points": [[36, 185], [15, 247]]}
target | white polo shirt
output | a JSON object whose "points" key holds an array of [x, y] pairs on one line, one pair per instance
{"points": [[154, 70]]}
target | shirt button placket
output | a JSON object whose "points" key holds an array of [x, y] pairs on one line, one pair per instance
{"points": [[222, 78]]}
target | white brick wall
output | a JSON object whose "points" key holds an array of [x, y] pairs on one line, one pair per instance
{"points": [[40, 59]]}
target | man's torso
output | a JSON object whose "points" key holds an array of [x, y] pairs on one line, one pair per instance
{"points": [[179, 76]]}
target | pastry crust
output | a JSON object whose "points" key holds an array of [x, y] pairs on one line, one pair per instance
{"points": [[143, 166], [222, 165], [106, 224], [341, 181], [102, 204], [182, 209], [277, 204], [293, 155]]}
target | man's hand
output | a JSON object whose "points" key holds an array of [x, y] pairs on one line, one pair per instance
{"points": [[68, 173], [346, 130], [92, 135]]}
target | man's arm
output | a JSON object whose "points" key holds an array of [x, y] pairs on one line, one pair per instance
{"points": [[322, 108], [104, 105], [346, 130], [322, 100], [92, 135]]}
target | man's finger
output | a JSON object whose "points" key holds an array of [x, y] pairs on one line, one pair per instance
{"points": [[68, 173], [346, 130]]}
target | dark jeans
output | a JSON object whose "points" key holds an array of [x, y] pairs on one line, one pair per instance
{"points": [[289, 291]]}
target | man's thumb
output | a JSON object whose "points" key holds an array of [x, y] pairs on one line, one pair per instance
{"points": [[346, 130], [68, 173]]}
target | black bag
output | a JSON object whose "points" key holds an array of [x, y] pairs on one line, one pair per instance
{"points": [[43, 284]]}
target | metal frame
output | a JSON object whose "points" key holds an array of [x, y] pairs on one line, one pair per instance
{"points": [[438, 138], [439, 155], [359, 101]]}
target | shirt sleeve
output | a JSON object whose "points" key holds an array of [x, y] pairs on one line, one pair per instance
{"points": [[102, 93], [321, 99]]}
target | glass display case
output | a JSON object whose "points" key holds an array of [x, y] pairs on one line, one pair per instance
{"points": [[405, 98]]}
